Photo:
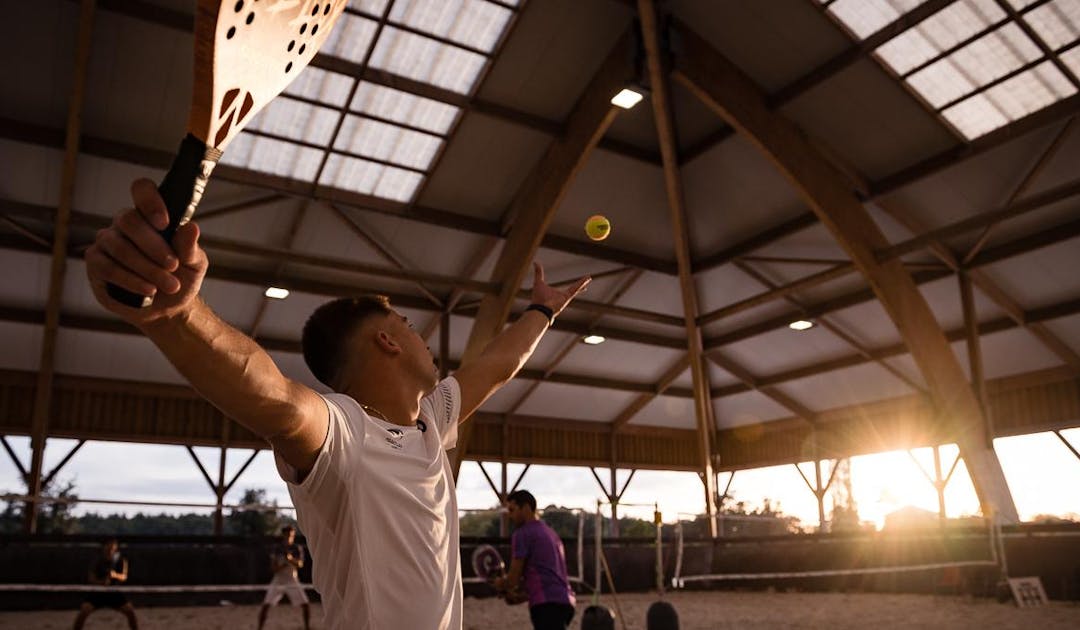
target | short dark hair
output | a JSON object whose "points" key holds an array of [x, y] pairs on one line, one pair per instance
{"points": [[329, 327], [287, 529], [523, 498]]}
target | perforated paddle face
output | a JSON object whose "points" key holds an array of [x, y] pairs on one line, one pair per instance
{"points": [[487, 563], [258, 48]]}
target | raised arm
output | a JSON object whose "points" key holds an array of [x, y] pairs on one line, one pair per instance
{"points": [[507, 353], [221, 363]]}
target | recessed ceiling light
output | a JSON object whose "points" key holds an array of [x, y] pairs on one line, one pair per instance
{"points": [[801, 324], [276, 293], [627, 98], [593, 340]]}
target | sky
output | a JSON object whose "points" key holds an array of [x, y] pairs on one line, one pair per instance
{"points": [[1041, 472]]}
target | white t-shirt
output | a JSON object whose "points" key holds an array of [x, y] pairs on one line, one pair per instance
{"points": [[379, 510]]}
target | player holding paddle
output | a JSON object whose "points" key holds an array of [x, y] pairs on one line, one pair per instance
{"points": [[538, 565], [366, 466]]}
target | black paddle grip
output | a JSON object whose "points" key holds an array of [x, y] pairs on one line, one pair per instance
{"points": [[181, 190]]}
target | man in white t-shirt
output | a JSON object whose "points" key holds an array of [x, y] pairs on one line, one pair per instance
{"points": [[367, 465]]}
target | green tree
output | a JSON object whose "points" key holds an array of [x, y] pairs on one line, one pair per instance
{"points": [[261, 519], [485, 524], [53, 517]]}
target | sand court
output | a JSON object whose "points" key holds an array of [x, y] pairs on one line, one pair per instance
{"points": [[697, 611]]}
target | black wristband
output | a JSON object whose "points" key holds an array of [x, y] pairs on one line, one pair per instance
{"points": [[540, 308]]}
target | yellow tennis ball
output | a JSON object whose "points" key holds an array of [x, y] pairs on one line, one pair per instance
{"points": [[598, 227]]}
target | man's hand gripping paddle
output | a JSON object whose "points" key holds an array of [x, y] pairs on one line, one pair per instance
{"points": [[488, 565], [246, 53]]}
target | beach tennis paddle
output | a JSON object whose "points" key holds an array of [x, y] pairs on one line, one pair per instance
{"points": [[487, 565], [246, 53]]}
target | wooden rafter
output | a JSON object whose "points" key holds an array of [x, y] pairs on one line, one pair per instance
{"points": [[1032, 174], [27, 132], [538, 198], [666, 379], [724, 88], [663, 116], [835, 330], [746, 377], [43, 392], [972, 274], [372, 242]]}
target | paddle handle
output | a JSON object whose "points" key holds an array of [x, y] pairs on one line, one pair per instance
{"points": [[182, 189]]}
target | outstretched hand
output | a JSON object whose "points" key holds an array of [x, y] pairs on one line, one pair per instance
{"points": [[549, 296], [131, 254]]}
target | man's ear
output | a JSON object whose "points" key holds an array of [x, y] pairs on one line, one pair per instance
{"points": [[387, 342]]}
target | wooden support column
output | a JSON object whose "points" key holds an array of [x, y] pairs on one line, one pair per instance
{"points": [[43, 392], [504, 520], [974, 349], [658, 64], [939, 484], [938, 481], [819, 493], [818, 489], [613, 496], [614, 504], [536, 201], [216, 488], [219, 515], [831, 195]]}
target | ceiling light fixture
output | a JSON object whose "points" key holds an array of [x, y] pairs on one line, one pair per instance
{"points": [[277, 293], [593, 340], [628, 97], [801, 324]]}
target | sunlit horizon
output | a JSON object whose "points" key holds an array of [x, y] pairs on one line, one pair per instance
{"points": [[881, 483]]}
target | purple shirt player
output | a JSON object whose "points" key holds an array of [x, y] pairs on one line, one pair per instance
{"points": [[538, 564]]}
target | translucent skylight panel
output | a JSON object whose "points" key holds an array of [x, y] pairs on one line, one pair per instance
{"points": [[1057, 23], [938, 33], [398, 185], [475, 23], [318, 84], [390, 143], [350, 38], [975, 116], [405, 108], [1072, 60], [866, 17], [1031, 91], [370, 178], [296, 120], [1015, 98], [984, 60], [275, 157], [374, 7], [427, 60]]}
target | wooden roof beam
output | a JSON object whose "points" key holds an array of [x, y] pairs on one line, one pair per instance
{"points": [[47, 363], [22, 131], [658, 62], [828, 191]]}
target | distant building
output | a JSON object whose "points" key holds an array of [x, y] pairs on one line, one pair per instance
{"points": [[911, 517]]}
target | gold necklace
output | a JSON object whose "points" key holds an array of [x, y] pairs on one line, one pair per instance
{"points": [[371, 410]]}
